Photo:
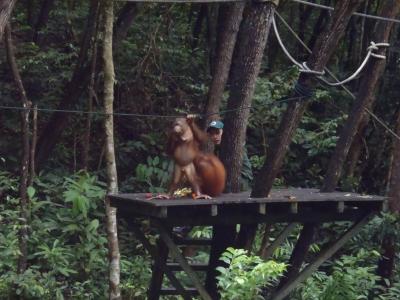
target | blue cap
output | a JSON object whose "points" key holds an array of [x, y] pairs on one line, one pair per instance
{"points": [[216, 124]]}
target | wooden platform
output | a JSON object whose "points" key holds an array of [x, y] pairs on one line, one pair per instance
{"points": [[308, 207], [282, 205]]}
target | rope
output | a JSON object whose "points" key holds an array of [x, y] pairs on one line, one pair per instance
{"points": [[383, 124], [303, 68], [276, 102], [355, 14], [373, 47]]}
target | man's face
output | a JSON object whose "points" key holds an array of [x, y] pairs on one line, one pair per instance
{"points": [[215, 135]]}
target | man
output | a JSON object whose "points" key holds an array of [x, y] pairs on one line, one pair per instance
{"points": [[215, 130]]}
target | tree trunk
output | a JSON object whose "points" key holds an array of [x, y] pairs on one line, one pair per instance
{"points": [[23, 232], [43, 18], [356, 147], [318, 27], [6, 7], [365, 99], [299, 254], [212, 24], [394, 183], [58, 121], [231, 16], [112, 181], [250, 48], [32, 169], [201, 16], [125, 19], [323, 50], [386, 265]]}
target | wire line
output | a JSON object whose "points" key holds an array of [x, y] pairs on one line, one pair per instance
{"points": [[355, 14]]}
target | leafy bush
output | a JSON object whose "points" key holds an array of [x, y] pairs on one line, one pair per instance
{"points": [[245, 275], [348, 280]]}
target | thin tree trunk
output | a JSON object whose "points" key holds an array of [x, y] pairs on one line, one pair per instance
{"points": [[231, 16], [58, 121], [91, 96], [23, 232], [250, 49], [112, 181], [323, 50], [43, 18], [6, 7], [318, 27], [32, 172], [365, 99], [125, 19], [212, 24], [201, 16]]}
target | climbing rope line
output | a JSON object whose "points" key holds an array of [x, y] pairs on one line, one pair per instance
{"points": [[303, 68], [276, 102], [375, 117], [356, 13]]}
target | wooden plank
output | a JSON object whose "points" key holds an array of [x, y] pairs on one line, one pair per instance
{"points": [[177, 255], [172, 291], [276, 196], [320, 259]]}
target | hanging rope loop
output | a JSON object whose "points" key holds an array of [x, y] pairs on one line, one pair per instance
{"points": [[375, 47], [303, 68]]}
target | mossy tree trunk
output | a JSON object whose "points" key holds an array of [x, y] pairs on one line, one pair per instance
{"points": [[24, 169], [112, 180]]}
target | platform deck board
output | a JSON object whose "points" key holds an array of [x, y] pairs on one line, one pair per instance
{"points": [[276, 196]]}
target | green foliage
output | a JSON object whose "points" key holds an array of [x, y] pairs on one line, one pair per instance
{"points": [[244, 276], [153, 176], [348, 280], [67, 244]]}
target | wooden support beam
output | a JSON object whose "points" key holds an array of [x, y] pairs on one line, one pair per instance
{"points": [[299, 252], [262, 208], [153, 253], [340, 207], [214, 210], [294, 209], [320, 259], [279, 240], [157, 272], [177, 255]]}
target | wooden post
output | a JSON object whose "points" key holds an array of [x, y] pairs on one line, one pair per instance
{"points": [[320, 259]]}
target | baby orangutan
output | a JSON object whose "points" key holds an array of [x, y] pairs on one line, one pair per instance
{"points": [[204, 171]]}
